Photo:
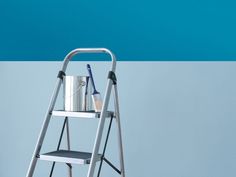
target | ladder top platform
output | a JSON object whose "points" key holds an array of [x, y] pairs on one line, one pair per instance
{"points": [[71, 157], [82, 114]]}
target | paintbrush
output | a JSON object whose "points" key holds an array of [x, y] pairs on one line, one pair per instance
{"points": [[86, 94], [96, 97]]}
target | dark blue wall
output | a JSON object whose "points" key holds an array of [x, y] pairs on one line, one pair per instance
{"points": [[134, 30]]}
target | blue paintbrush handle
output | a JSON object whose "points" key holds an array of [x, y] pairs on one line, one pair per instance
{"points": [[91, 76], [86, 88]]}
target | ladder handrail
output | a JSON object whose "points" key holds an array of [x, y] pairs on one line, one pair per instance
{"points": [[89, 50]]}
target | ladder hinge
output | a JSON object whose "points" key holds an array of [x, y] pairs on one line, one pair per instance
{"points": [[61, 74], [112, 76]]}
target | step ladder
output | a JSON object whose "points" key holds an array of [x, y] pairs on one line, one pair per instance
{"points": [[68, 156]]}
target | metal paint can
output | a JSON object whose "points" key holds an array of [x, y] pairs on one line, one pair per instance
{"points": [[77, 93]]}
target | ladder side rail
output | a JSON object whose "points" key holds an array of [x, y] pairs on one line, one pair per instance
{"points": [[68, 145], [117, 116], [100, 129], [44, 129]]}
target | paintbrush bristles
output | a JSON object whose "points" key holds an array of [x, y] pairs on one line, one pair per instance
{"points": [[97, 102]]}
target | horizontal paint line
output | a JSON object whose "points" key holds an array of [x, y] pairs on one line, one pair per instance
{"points": [[130, 60]]}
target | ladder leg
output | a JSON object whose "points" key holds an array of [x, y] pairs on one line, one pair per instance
{"points": [[68, 146], [100, 129], [117, 114], [59, 144], [105, 146], [43, 129]]}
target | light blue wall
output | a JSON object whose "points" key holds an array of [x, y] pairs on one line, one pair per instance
{"points": [[178, 119], [134, 30]]}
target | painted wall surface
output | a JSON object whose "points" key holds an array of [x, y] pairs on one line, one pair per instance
{"points": [[178, 118], [134, 30]]}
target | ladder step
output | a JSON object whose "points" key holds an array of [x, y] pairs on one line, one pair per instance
{"points": [[82, 114], [71, 157]]}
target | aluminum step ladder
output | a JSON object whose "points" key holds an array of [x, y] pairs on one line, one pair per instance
{"points": [[77, 157]]}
